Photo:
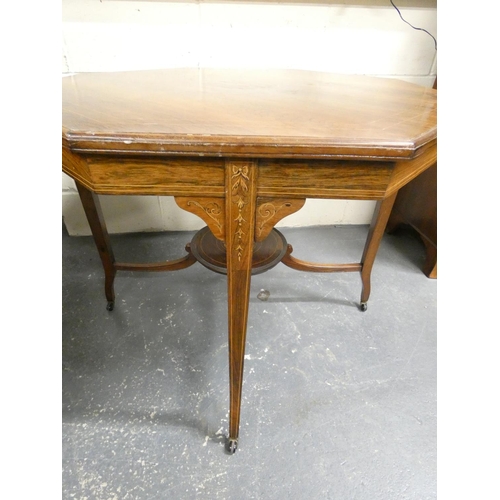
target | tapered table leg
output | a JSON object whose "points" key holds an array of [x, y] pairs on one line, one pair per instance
{"points": [[240, 223], [93, 211], [377, 227]]}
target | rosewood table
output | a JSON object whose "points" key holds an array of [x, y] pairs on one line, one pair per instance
{"points": [[243, 149]]}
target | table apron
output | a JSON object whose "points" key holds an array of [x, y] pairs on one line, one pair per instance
{"points": [[180, 176]]}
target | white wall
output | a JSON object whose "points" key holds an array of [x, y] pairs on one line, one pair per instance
{"points": [[351, 36]]}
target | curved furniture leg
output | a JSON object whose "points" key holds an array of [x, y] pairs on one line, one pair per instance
{"points": [[93, 211], [240, 223], [377, 227]]}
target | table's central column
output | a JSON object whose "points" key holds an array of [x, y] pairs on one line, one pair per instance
{"points": [[241, 181]]}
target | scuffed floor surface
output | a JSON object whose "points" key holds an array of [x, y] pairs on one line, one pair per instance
{"points": [[337, 403]]}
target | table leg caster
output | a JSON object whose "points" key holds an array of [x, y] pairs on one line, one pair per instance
{"points": [[231, 446], [110, 306], [363, 306]]}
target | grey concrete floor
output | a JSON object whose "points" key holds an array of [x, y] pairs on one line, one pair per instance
{"points": [[337, 403]]}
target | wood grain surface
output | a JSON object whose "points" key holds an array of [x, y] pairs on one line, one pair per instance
{"points": [[256, 113]]}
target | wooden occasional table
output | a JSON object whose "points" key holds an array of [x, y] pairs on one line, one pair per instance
{"points": [[243, 149]]}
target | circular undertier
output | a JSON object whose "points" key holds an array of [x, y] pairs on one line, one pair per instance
{"points": [[211, 252]]}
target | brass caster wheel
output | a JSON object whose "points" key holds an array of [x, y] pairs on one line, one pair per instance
{"points": [[231, 446]]}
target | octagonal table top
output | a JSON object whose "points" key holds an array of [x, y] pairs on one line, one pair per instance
{"points": [[254, 113]]}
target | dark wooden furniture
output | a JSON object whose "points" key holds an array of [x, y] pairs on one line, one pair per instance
{"points": [[243, 149], [416, 207]]}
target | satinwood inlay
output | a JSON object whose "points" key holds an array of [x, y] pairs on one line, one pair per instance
{"points": [[211, 210], [239, 191], [270, 211]]}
